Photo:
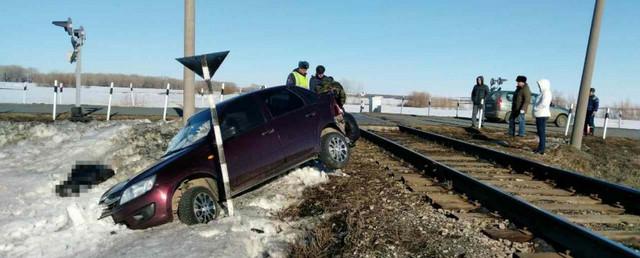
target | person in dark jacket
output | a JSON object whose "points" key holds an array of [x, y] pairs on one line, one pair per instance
{"points": [[592, 109], [478, 94], [298, 77], [316, 80], [519, 106]]}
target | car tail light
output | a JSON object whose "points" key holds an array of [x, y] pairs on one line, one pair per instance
{"points": [[499, 103]]}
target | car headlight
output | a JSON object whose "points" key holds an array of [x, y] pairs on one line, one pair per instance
{"points": [[137, 189]]}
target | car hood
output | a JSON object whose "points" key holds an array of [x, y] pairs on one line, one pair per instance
{"points": [[114, 193]]}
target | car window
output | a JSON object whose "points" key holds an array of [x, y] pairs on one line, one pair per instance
{"points": [[240, 116], [494, 96], [281, 101], [309, 96], [510, 96], [197, 127]]}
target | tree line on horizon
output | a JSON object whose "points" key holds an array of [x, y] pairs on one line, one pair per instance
{"points": [[16, 73]]}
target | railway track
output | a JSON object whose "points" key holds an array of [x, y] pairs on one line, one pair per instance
{"points": [[585, 216]]}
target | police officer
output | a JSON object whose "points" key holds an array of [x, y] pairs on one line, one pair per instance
{"points": [[298, 77]]}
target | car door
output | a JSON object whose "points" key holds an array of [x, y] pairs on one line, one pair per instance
{"points": [[295, 122], [251, 145]]}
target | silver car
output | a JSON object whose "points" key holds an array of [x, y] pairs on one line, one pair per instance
{"points": [[498, 108]]}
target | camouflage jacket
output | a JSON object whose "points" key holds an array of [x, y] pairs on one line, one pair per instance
{"points": [[329, 85]]}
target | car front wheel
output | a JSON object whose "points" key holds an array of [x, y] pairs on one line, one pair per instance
{"points": [[198, 205], [335, 150]]}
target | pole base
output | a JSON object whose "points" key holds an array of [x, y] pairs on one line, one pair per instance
{"points": [[78, 116]]}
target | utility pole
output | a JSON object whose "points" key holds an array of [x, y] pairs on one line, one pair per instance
{"points": [[587, 74], [189, 92]]}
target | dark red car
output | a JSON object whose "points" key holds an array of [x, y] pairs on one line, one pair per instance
{"points": [[265, 134]]}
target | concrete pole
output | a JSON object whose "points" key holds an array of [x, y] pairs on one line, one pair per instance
{"points": [[587, 73], [189, 96]]}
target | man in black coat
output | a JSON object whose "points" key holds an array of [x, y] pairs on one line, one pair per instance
{"points": [[478, 94], [592, 109], [519, 106]]}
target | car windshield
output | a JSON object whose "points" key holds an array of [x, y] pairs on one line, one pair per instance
{"points": [[197, 127]]}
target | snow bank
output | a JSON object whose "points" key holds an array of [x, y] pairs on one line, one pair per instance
{"points": [[34, 222]]}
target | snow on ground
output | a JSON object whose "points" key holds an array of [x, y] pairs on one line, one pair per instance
{"points": [[34, 222]]}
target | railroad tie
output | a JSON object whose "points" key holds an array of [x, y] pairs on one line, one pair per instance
{"points": [[536, 199], [627, 237], [603, 219], [563, 207]]}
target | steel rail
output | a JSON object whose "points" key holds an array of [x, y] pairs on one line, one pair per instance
{"points": [[608, 192], [580, 241]]}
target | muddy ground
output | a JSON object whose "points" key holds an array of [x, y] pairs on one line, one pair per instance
{"points": [[615, 159], [368, 213]]}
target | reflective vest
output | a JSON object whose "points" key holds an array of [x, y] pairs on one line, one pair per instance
{"points": [[301, 80]]}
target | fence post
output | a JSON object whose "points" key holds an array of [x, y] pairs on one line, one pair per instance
{"points": [[566, 130], [620, 118], [133, 100], [201, 97], [55, 98], [24, 94], [481, 116], [109, 105], [61, 88], [606, 122], [222, 92], [166, 102]]}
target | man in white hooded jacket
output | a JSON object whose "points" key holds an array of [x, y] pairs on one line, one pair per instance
{"points": [[542, 112]]}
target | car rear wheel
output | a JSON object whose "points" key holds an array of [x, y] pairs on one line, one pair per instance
{"points": [[335, 150], [507, 116], [198, 205], [561, 121]]}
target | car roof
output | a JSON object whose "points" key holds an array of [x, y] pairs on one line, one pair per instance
{"points": [[204, 112]]}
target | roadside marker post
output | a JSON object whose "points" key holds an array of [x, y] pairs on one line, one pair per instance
{"points": [[166, 103], [457, 107], [362, 95], [566, 130], [55, 98], [620, 118], [481, 111], [133, 100], [200, 65], [401, 104], [201, 97], [606, 122], [222, 92], [24, 94], [109, 105], [429, 109], [60, 95]]}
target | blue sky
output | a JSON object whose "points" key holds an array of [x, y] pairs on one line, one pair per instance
{"points": [[392, 47]]}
